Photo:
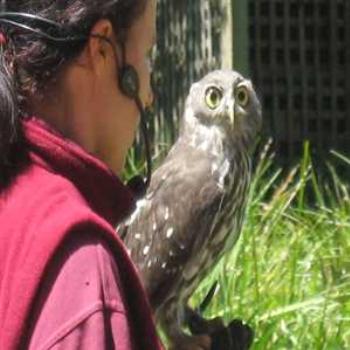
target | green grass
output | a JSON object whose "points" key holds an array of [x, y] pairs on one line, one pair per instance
{"points": [[289, 275]]}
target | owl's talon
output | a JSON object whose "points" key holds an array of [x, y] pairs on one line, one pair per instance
{"points": [[200, 325], [214, 324]]}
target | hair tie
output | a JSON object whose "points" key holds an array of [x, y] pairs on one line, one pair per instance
{"points": [[3, 40]]}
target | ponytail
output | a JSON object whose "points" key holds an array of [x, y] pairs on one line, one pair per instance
{"points": [[10, 129]]}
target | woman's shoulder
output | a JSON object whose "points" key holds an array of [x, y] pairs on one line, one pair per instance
{"points": [[41, 210], [80, 291], [36, 182], [41, 196]]}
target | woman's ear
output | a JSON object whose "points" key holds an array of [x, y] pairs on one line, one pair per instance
{"points": [[99, 49]]}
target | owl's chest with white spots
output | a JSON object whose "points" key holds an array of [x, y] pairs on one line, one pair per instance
{"points": [[226, 225]]}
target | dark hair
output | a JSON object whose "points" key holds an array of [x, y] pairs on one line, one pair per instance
{"points": [[29, 61]]}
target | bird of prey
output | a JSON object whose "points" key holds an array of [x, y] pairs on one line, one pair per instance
{"points": [[194, 208]]}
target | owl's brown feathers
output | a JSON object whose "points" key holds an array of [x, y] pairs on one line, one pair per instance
{"points": [[194, 208]]}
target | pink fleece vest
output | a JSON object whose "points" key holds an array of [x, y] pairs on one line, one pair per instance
{"points": [[63, 191]]}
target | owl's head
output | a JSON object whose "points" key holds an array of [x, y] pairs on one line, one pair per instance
{"points": [[227, 101]]}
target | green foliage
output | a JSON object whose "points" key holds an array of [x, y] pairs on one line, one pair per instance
{"points": [[289, 274]]}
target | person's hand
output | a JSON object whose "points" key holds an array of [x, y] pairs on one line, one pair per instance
{"points": [[235, 336]]}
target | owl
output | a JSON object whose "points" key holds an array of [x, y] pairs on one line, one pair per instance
{"points": [[194, 208]]}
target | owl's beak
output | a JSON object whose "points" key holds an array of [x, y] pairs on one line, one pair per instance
{"points": [[232, 116], [231, 111]]}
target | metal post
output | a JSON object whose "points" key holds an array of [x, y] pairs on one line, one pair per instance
{"points": [[239, 10], [227, 35]]}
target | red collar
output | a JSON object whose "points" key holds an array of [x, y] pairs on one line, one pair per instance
{"points": [[104, 192]]}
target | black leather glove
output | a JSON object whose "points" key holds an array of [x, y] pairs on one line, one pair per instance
{"points": [[235, 336]]}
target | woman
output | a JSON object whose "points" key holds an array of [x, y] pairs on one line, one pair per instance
{"points": [[66, 123]]}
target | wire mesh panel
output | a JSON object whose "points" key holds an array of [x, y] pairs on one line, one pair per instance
{"points": [[300, 62]]}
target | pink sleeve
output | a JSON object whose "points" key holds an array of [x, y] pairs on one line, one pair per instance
{"points": [[80, 304]]}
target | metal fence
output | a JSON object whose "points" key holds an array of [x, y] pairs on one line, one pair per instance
{"points": [[296, 51], [300, 60]]}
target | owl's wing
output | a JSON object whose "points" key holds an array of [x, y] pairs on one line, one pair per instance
{"points": [[174, 219]]}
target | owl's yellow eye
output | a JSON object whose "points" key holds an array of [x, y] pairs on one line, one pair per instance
{"points": [[242, 96], [213, 97]]}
